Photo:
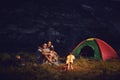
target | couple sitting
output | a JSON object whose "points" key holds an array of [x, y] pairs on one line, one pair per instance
{"points": [[48, 51]]}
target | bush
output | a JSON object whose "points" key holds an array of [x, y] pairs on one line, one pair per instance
{"points": [[5, 59]]}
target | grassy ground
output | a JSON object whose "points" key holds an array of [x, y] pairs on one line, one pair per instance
{"points": [[84, 69]]}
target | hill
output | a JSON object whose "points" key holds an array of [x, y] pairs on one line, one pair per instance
{"points": [[84, 69]]}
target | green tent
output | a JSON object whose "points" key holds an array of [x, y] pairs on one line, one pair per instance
{"points": [[94, 48]]}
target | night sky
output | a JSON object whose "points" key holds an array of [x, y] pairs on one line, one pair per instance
{"points": [[26, 24]]}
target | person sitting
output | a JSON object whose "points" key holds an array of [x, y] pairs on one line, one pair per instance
{"points": [[45, 50], [46, 53], [50, 55], [50, 46]]}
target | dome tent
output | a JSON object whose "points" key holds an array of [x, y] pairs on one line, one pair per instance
{"points": [[95, 48]]}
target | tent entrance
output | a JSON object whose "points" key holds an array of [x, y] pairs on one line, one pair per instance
{"points": [[87, 52]]}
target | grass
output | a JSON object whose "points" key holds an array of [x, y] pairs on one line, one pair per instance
{"points": [[84, 69]]}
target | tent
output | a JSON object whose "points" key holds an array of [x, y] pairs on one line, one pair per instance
{"points": [[96, 49]]}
